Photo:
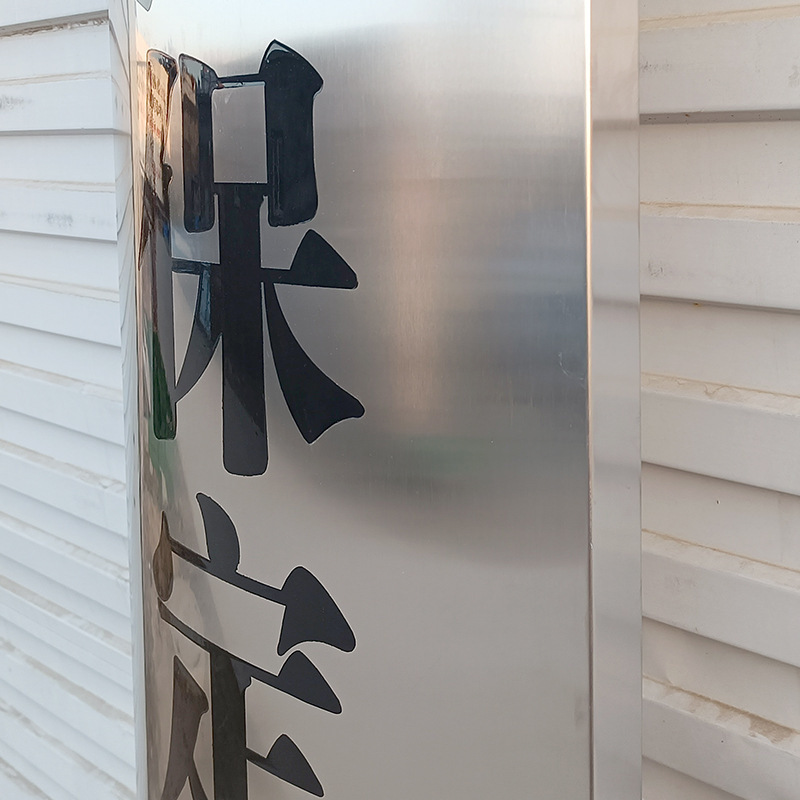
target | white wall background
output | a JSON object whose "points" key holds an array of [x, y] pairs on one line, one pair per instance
{"points": [[66, 703], [720, 222], [720, 96]]}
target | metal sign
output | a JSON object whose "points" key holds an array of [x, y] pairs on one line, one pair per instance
{"points": [[388, 479]]}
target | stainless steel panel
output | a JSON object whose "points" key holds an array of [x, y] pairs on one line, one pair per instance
{"points": [[432, 471]]}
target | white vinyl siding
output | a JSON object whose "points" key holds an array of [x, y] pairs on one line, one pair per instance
{"points": [[66, 685], [720, 241]]}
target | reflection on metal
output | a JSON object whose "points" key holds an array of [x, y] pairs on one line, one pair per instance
{"points": [[478, 524]]}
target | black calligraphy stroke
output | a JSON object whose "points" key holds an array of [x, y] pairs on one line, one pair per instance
{"points": [[229, 680], [189, 704], [231, 294], [310, 615], [298, 677]]}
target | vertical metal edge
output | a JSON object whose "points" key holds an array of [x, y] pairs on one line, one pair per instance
{"points": [[613, 400], [132, 401]]}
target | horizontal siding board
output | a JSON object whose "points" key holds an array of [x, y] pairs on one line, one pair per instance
{"points": [[748, 348], [733, 676], [753, 164], [75, 359], [662, 783], [688, 425], [68, 403], [41, 159], [92, 497], [743, 603], [34, 765], [694, 9], [73, 50], [78, 570], [17, 568], [720, 746], [718, 259], [60, 259], [59, 209], [60, 309], [58, 769], [14, 785], [734, 65], [90, 654], [105, 737], [94, 647], [83, 104], [108, 725], [107, 545], [108, 768], [27, 639], [39, 13], [756, 523], [102, 620]]}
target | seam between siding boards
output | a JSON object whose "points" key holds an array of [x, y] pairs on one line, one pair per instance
{"points": [[56, 24], [718, 18], [700, 117]]}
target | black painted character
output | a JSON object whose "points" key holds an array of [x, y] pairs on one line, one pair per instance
{"points": [[231, 293], [310, 615]]}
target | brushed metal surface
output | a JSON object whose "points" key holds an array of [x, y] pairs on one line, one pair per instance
{"points": [[450, 523]]}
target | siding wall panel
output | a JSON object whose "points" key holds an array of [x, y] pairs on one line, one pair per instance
{"points": [[720, 103], [60, 259], [66, 669]]}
